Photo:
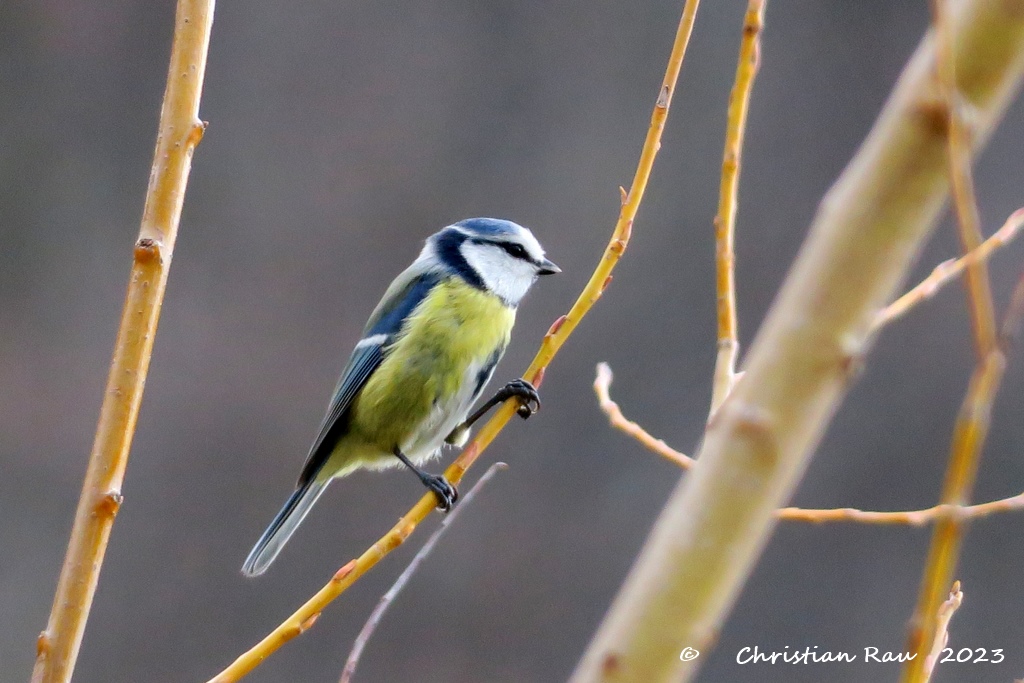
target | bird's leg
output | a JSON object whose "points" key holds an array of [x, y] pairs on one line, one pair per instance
{"points": [[529, 403], [442, 488]]}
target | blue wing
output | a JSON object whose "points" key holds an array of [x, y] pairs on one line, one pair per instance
{"points": [[405, 293]]}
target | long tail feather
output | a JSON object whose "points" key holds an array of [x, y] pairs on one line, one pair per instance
{"points": [[282, 528]]}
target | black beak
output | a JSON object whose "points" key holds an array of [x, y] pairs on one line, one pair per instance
{"points": [[546, 267]]}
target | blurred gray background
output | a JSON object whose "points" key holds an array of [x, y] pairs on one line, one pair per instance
{"points": [[341, 135]]}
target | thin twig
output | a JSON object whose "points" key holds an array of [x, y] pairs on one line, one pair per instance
{"points": [[914, 518], [973, 422], [553, 340], [969, 435], [946, 271], [956, 107], [602, 385], [179, 132], [909, 517], [942, 617], [378, 612], [725, 221]]}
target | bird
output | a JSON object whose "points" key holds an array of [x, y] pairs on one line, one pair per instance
{"points": [[426, 353]]}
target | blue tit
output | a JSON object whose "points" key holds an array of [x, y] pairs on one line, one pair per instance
{"points": [[427, 352]]}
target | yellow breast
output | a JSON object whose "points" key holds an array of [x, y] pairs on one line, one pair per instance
{"points": [[455, 328]]}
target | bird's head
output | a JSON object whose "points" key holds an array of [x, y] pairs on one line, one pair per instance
{"points": [[496, 255]]}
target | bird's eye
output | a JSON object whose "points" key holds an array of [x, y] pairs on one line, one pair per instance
{"points": [[516, 251]]}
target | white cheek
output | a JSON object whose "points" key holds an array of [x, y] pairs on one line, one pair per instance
{"points": [[512, 283], [509, 278]]}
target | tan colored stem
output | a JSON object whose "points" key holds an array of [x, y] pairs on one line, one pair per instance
{"points": [[943, 615], [969, 436], [976, 280], [389, 597], [868, 230], [972, 424], [917, 518], [602, 386], [304, 617], [725, 221], [903, 517], [179, 133], [947, 270]]}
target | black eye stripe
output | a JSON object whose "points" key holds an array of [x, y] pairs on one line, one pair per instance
{"points": [[511, 248], [515, 250]]}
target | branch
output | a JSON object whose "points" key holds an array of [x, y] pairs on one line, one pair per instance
{"points": [[179, 133], [868, 230], [942, 617], [602, 384], [915, 518], [953, 106], [909, 517], [948, 270], [725, 221], [969, 436], [553, 340], [973, 421], [378, 612]]}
